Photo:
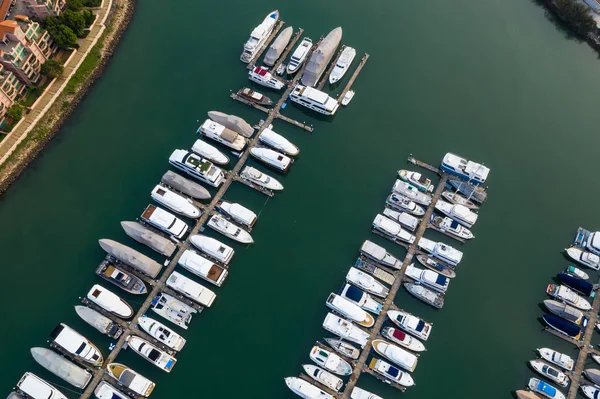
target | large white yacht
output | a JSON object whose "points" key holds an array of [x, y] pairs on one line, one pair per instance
{"points": [[238, 213], [350, 310], [213, 248], [162, 333], [263, 77], [278, 142], [342, 65], [36, 388], [366, 282], [379, 254], [229, 229], [202, 267], [109, 301], [392, 229], [411, 324], [428, 278], [411, 192], [314, 99], [219, 133], [258, 36], [441, 251], [164, 221], [210, 152], [106, 391], [299, 56], [395, 354], [257, 177], [345, 329], [323, 376], [474, 172], [305, 389], [191, 289], [198, 167], [76, 344], [272, 158], [175, 202], [460, 213]]}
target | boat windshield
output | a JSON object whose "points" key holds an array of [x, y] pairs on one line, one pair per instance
{"points": [[81, 348], [420, 326], [154, 355]]}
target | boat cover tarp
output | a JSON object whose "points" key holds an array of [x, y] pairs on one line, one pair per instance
{"points": [[228, 135], [131, 257], [278, 46], [94, 319], [61, 367], [232, 122], [149, 238], [568, 328], [321, 56], [576, 283], [184, 185], [593, 375]]}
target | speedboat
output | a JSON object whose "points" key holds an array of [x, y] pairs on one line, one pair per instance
{"points": [[145, 236], [348, 97], [411, 324], [299, 56], [330, 361], [403, 339], [342, 65], [593, 375], [360, 298], [238, 213], [100, 322], [164, 221], [441, 251], [350, 310], [416, 179], [36, 388], [366, 282], [229, 229], [552, 373], [562, 326], [473, 172], [112, 273], [314, 99], [305, 389], [436, 266], [392, 229], [161, 333], [577, 284], [257, 177], [345, 329], [544, 389], [567, 295], [106, 391], [428, 278], [209, 152], [590, 391], [278, 45], [324, 377], [343, 347], [175, 202], [554, 357], [213, 248], [151, 353], [130, 379], [473, 192], [110, 302], [191, 289], [395, 354], [461, 214], [184, 185], [456, 198], [451, 227], [404, 204], [278, 142], [271, 158], [173, 310], [407, 221], [198, 167], [426, 295], [263, 77], [219, 133], [565, 311], [61, 367], [572, 270], [390, 372], [359, 393], [379, 254], [584, 257], [254, 97], [258, 36], [411, 192], [78, 346], [202, 267]]}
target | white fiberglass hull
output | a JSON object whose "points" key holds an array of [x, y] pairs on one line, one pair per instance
{"points": [[209, 152], [230, 230]]}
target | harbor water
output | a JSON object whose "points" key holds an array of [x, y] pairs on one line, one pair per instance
{"points": [[497, 82]]}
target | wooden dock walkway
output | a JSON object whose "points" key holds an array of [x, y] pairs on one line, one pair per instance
{"points": [[325, 77], [318, 384], [288, 48], [276, 30], [424, 165], [359, 68]]}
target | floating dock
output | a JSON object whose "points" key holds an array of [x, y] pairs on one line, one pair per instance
{"points": [[359, 68]]}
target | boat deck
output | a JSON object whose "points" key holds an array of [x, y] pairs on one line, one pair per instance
{"points": [[288, 48], [325, 77], [376, 270], [318, 384], [434, 227], [359, 68], [381, 378], [257, 56]]}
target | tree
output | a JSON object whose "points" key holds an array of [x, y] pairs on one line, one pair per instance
{"points": [[63, 36], [75, 21], [52, 69], [577, 16], [15, 112], [75, 5], [91, 3], [89, 17]]}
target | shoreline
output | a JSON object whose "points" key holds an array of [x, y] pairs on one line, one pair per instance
{"points": [[49, 125]]}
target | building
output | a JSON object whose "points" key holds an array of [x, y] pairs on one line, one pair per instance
{"points": [[42, 9], [11, 88]]}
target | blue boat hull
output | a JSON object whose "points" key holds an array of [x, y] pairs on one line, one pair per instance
{"points": [[576, 284], [561, 325]]}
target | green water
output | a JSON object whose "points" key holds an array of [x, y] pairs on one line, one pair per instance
{"points": [[495, 81]]}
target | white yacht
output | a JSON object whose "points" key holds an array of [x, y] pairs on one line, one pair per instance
{"points": [[257, 177], [416, 179], [474, 172], [314, 99], [460, 213], [350, 310], [213, 248], [238, 213], [278, 142], [229, 229], [299, 55], [360, 298], [202, 267], [258, 36], [441, 251], [359, 393], [36, 388], [392, 229], [173, 310], [390, 372], [130, 379], [411, 192], [191, 289], [552, 373], [405, 219], [164, 221], [411, 324], [271, 158], [541, 387], [379, 254], [403, 204], [109, 301], [366, 282], [210, 152], [565, 294], [395, 354], [151, 353], [219, 133], [428, 278], [278, 46], [591, 391], [330, 361], [197, 167], [554, 357], [161, 333], [584, 257], [106, 391], [403, 339], [451, 227], [342, 65], [305, 389], [345, 329], [323, 376], [76, 344], [263, 77], [175, 202]]}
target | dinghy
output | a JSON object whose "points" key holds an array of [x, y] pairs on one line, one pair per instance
{"points": [[426, 295], [343, 348], [553, 374], [330, 361], [554, 357], [323, 376]]}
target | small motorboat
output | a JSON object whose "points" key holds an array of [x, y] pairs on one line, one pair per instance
{"points": [[461, 214], [583, 257], [257, 177], [263, 77], [411, 192], [567, 295], [229, 229], [572, 270], [547, 390], [452, 227], [254, 97], [552, 373], [390, 372], [411, 324], [554, 357], [436, 265], [323, 376], [173, 310], [567, 312], [577, 284], [395, 354], [110, 302], [343, 348], [416, 179], [426, 295], [359, 393], [360, 298], [348, 97], [403, 204], [151, 353], [238, 213], [403, 339], [379, 254], [112, 273], [345, 329], [130, 379], [305, 389], [561, 325], [456, 198], [590, 391], [407, 221], [428, 278], [175, 202], [161, 333], [330, 361], [366, 282], [593, 375], [106, 391], [210, 152]]}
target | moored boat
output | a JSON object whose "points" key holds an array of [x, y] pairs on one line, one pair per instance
{"points": [[106, 391], [99, 322], [522, 394], [457, 199], [161, 333], [131, 257], [151, 353], [299, 56], [416, 179], [577, 284], [232, 122], [428, 278], [345, 329], [359, 393], [360, 298], [567, 295], [191, 289], [184, 185], [61, 367], [111, 272], [404, 218], [403, 339], [584, 257], [110, 302], [442, 251], [202, 267], [554, 357], [323, 376], [590, 391], [175, 202], [411, 192], [259, 36], [305, 389], [411, 324], [164, 221], [460, 213], [436, 266], [229, 229], [314, 99], [342, 65], [473, 192], [572, 270], [330, 361], [348, 97], [278, 46], [278, 142], [271, 158], [149, 238], [210, 152], [379, 254], [390, 372], [254, 97], [404, 204], [264, 77], [392, 229], [197, 167], [451, 227], [34, 387], [366, 282], [75, 344], [238, 213], [350, 310], [545, 389], [593, 375], [130, 379], [395, 354], [257, 177], [565, 311], [213, 248], [319, 59], [475, 173], [173, 309], [219, 133], [343, 347], [426, 295], [550, 372]]}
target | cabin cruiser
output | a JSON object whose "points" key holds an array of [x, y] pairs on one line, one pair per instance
{"points": [[278, 142], [366, 282], [585, 258], [360, 298], [567, 312], [474, 172], [379, 254], [111, 272], [567, 295], [271, 158], [554, 357], [254, 97], [100, 322], [392, 229], [426, 295], [151, 353], [175, 202], [562, 326], [461, 214], [184, 185], [441, 251], [221, 134], [130, 379], [395, 354], [573, 271], [358, 393], [161, 333], [411, 192], [229, 229], [577, 284], [457, 199], [436, 266], [106, 391], [428, 278], [209, 152], [258, 36], [403, 204], [131, 257], [345, 329], [330, 361], [305, 389], [255, 176], [110, 302], [314, 99], [350, 310], [406, 220], [553, 374], [390, 372], [145, 236], [191, 289], [81, 348], [35, 388], [61, 367], [343, 347], [416, 179], [213, 248], [164, 221], [544, 389], [173, 309], [278, 45], [451, 227], [238, 213], [263, 77], [324, 377], [411, 324], [342, 65], [299, 56], [202, 267], [198, 167], [403, 339], [320, 57]]}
